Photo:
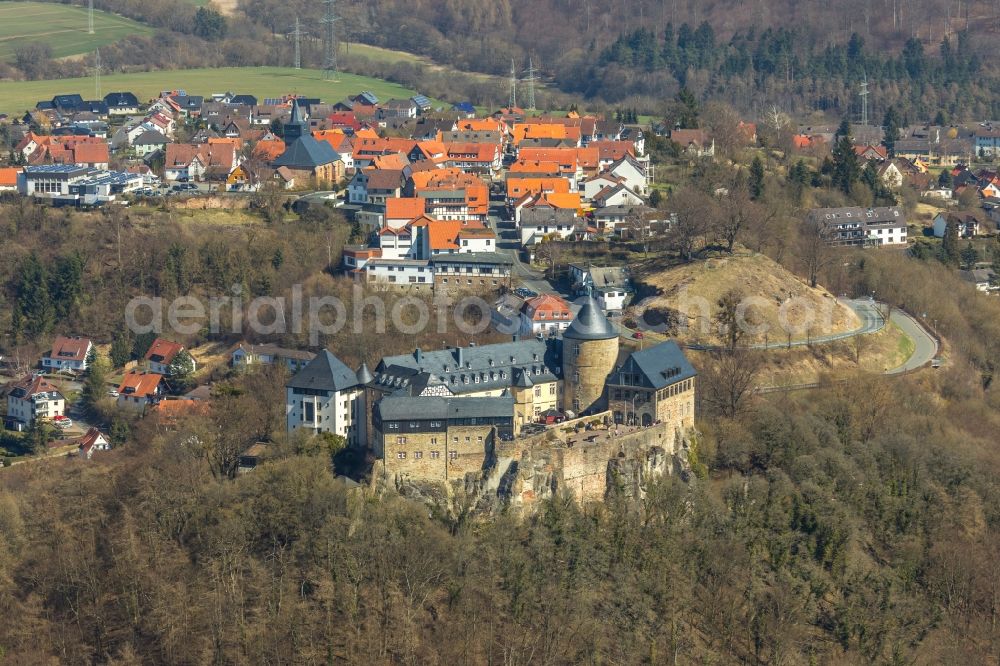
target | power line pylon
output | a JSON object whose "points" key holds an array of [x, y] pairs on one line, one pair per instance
{"points": [[512, 98], [296, 34], [329, 22], [530, 81], [864, 101]]}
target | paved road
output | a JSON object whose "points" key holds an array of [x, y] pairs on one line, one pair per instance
{"points": [[872, 321], [925, 344]]}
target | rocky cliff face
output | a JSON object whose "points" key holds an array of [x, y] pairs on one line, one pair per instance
{"points": [[527, 472]]}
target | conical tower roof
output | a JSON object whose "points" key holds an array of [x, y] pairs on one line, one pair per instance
{"points": [[591, 323], [364, 374]]}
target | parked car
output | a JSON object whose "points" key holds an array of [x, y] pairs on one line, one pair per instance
{"points": [[113, 393], [62, 422], [637, 335]]}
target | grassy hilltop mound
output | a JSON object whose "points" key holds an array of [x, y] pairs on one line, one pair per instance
{"points": [[691, 293]]}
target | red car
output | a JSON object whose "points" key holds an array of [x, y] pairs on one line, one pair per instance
{"points": [[637, 335]]}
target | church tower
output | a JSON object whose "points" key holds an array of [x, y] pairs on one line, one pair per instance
{"points": [[589, 354]]}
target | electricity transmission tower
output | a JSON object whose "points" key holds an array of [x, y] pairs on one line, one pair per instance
{"points": [[530, 81], [90, 16], [512, 100], [97, 73], [297, 34], [864, 101], [329, 22]]}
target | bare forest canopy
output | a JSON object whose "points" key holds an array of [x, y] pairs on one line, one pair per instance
{"points": [[921, 56], [799, 56]]}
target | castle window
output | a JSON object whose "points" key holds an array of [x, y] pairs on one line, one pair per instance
{"points": [[552, 389], [435, 454], [418, 454], [401, 455], [453, 454], [538, 391], [401, 440]]}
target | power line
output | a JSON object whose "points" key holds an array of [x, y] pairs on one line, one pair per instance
{"points": [[329, 22], [90, 16]]}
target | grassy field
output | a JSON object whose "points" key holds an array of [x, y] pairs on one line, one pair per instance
{"points": [[62, 27], [260, 81]]}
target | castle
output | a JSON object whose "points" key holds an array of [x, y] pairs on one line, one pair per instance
{"points": [[440, 415]]}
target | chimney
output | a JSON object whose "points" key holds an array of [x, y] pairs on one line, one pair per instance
{"points": [[458, 355], [416, 354], [514, 337]]}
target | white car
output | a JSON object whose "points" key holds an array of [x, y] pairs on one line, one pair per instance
{"points": [[113, 393], [63, 422]]}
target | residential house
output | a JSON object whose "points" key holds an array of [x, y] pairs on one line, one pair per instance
{"points": [[91, 442], [397, 243], [472, 271], [399, 108], [384, 184], [984, 279], [546, 314], [149, 141], [694, 142], [616, 195], [122, 103], [161, 355], [610, 285], [480, 158], [8, 178], [634, 172], [541, 221], [328, 397], [987, 140], [868, 152], [967, 224], [139, 390], [32, 397], [68, 353], [246, 354]]}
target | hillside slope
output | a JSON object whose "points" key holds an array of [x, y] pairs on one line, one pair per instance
{"points": [[777, 300]]}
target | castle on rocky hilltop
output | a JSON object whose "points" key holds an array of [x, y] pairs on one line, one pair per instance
{"points": [[445, 415]]}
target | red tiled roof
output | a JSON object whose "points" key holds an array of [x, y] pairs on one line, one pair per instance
{"points": [[139, 384], [552, 307], [8, 176], [32, 385], [163, 351], [405, 208], [69, 349]]}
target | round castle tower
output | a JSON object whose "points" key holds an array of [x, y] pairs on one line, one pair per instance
{"points": [[589, 354]]}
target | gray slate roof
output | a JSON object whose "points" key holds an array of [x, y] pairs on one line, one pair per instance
{"points": [[306, 153], [495, 366], [393, 408], [657, 367], [326, 372], [590, 324]]}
